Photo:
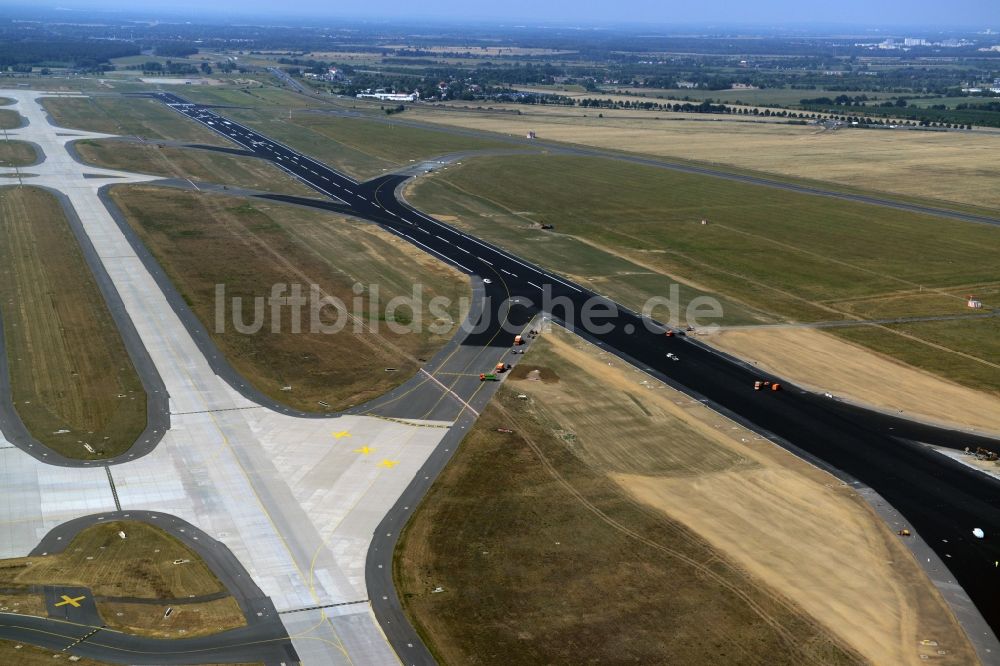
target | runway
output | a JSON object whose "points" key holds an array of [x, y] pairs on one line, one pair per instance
{"points": [[942, 499]]}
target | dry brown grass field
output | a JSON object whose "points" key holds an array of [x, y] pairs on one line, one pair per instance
{"points": [[829, 363], [22, 654], [605, 501], [16, 153], [10, 119], [956, 167], [144, 118], [203, 240], [191, 163], [116, 570], [72, 380]]}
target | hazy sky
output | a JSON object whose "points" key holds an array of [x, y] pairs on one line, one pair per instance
{"points": [[965, 13]]}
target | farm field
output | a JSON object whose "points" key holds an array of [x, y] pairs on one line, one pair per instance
{"points": [[207, 240], [609, 494], [72, 381], [768, 255]]}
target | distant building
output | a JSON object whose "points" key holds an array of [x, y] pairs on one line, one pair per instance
{"points": [[974, 303], [388, 97], [531, 134], [687, 84]]}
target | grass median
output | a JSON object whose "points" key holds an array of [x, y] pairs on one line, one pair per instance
{"points": [[10, 119], [16, 154], [205, 240], [72, 381]]}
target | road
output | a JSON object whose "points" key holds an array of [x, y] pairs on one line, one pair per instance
{"points": [[942, 499]]}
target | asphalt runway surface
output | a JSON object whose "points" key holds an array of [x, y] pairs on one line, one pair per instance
{"points": [[941, 498], [77, 627]]}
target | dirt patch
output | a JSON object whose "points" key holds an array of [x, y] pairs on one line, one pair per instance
{"points": [[534, 373], [184, 621], [829, 364]]}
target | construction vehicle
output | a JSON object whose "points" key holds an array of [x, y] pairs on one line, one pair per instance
{"points": [[903, 532], [488, 377], [985, 454], [502, 367], [518, 340], [766, 384]]}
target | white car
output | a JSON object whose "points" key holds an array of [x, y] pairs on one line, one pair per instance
{"points": [[487, 281], [672, 357]]}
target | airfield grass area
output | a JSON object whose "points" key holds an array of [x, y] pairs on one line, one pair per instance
{"points": [[628, 231], [119, 570], [129, 116], [962, 351], [23, 654], [10, 119], [191, 163], [360, 147], [956, 167], [207, 240], [624, 521], [72, 381], [17, 153]]}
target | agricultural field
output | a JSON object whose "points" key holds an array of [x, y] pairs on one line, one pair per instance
{"points": [[16, 154], [72, 381], [618, 494], [117, 571], [10, 119], [131, 116], [771, 255], [190, 163], [207, 240], [950, 167]]}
